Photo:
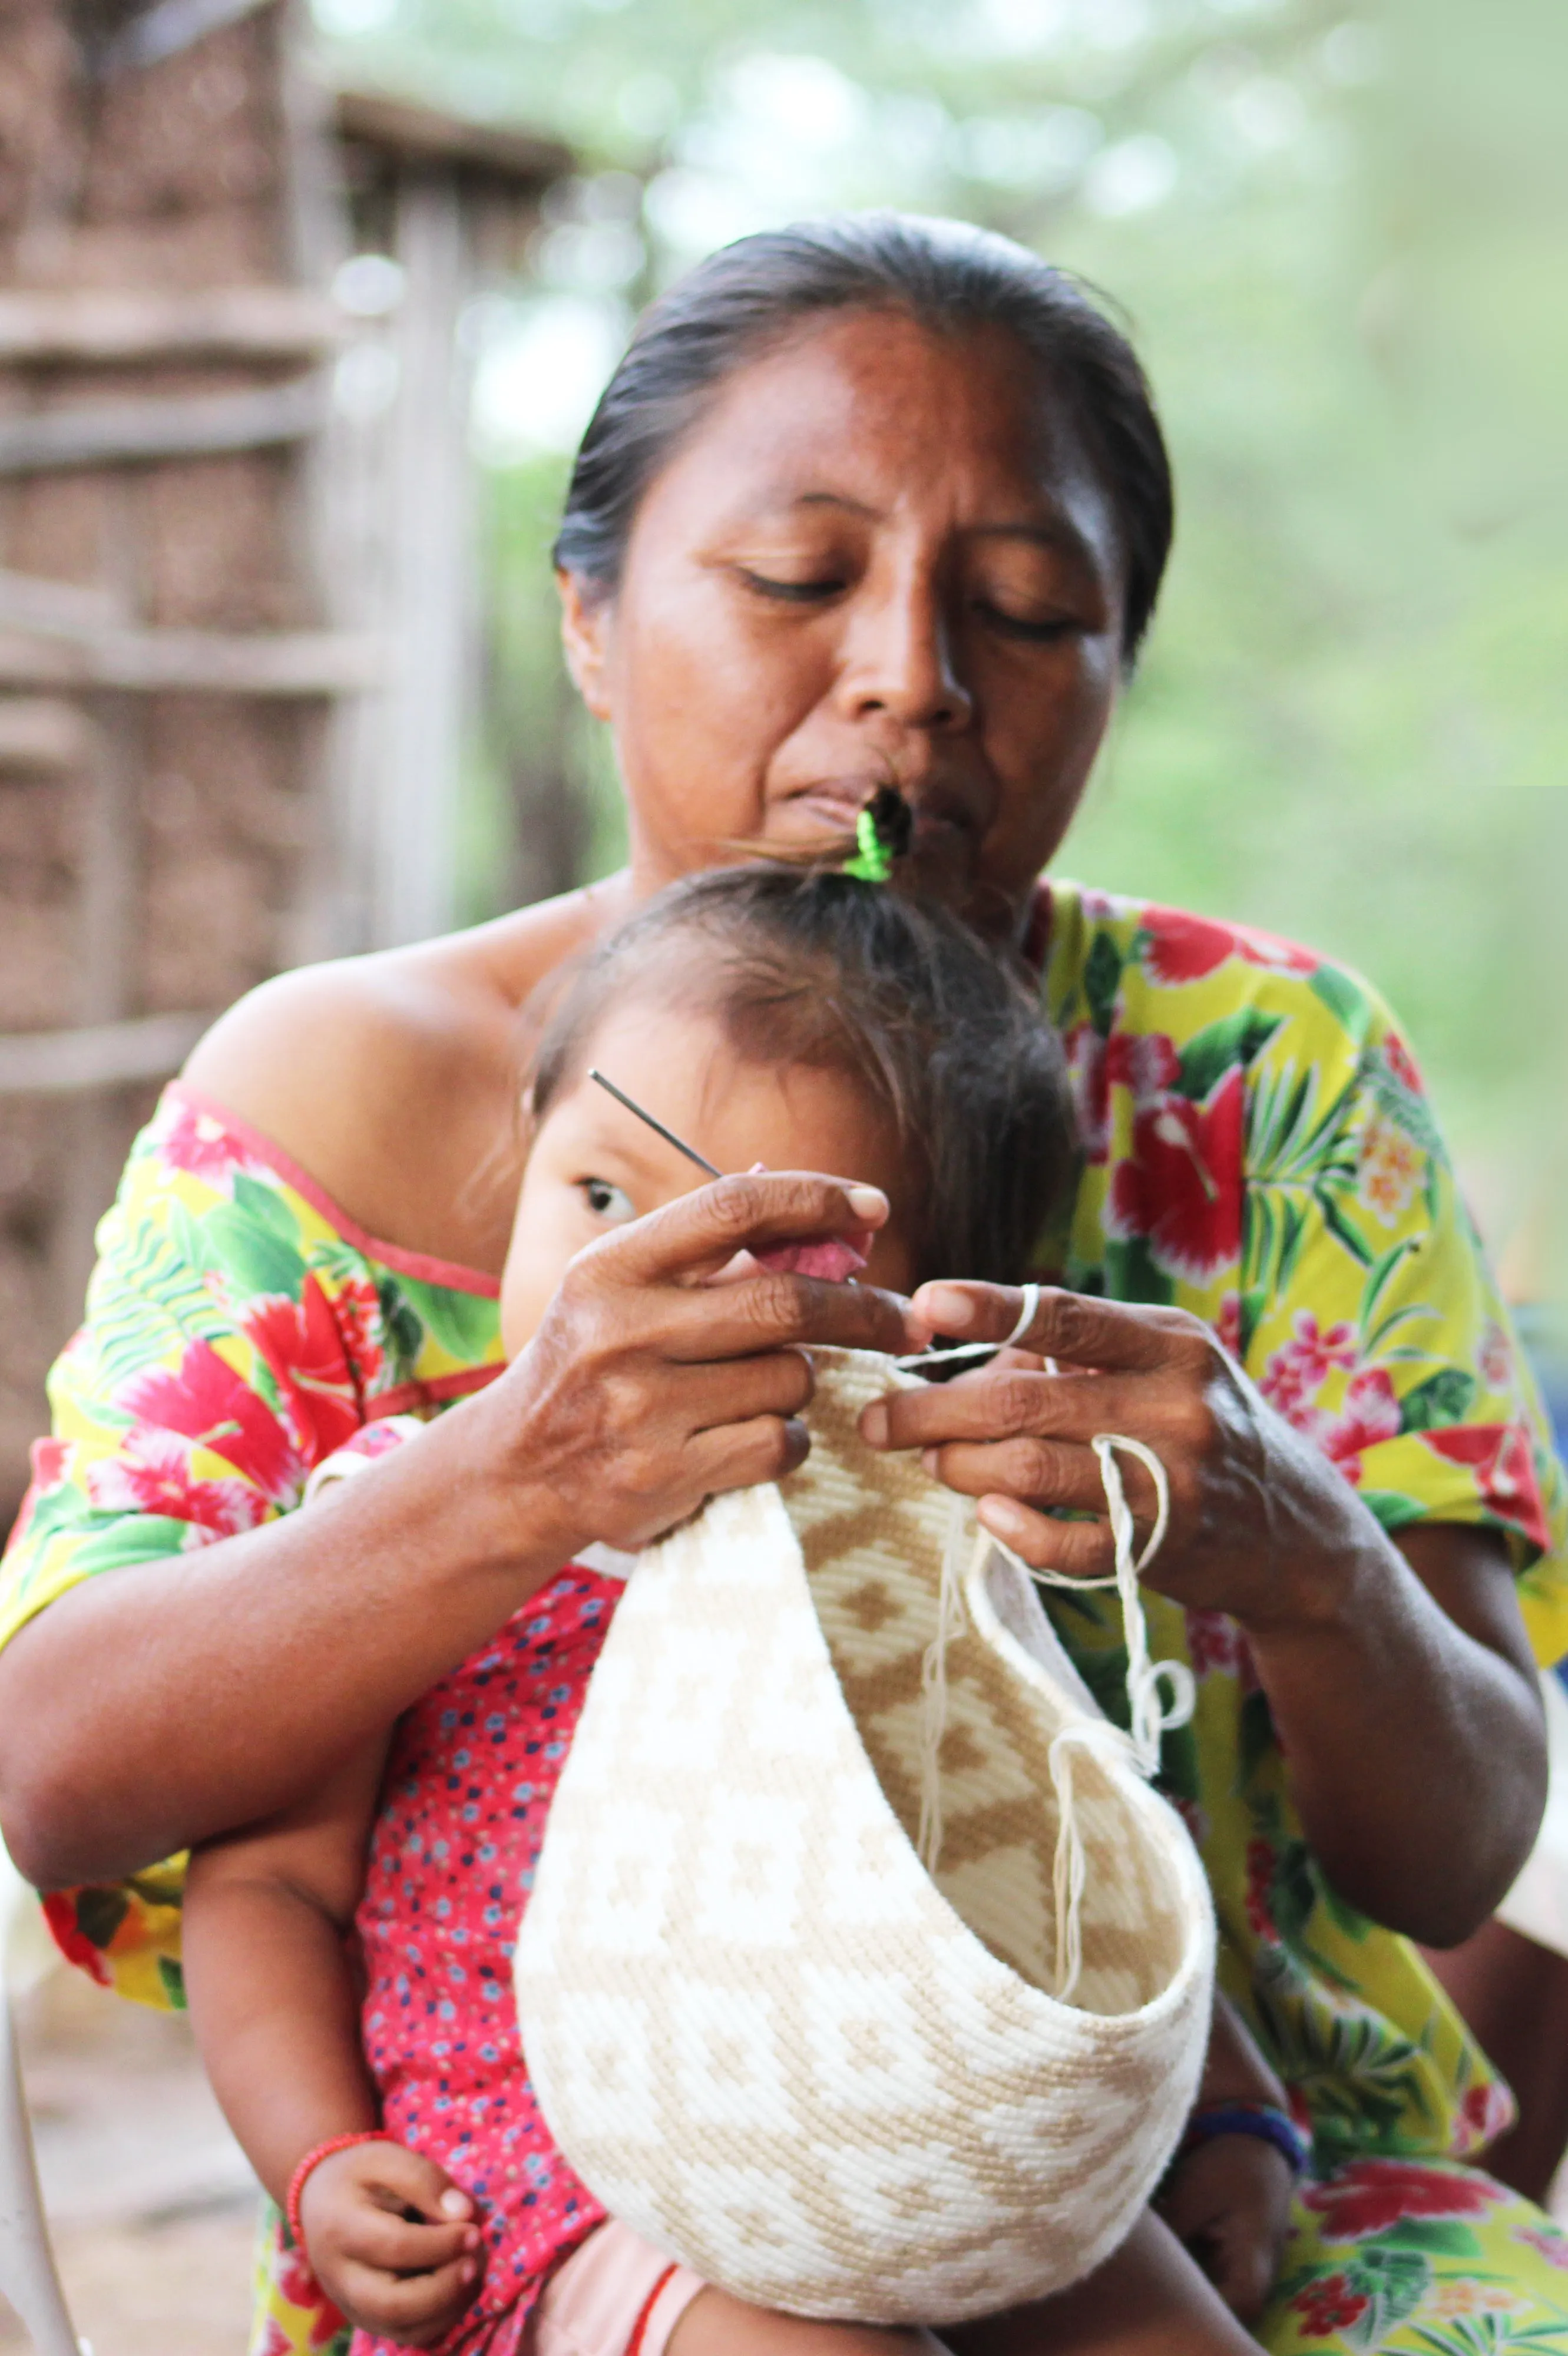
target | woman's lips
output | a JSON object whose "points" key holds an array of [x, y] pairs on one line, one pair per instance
{"points": [[837, 808]]}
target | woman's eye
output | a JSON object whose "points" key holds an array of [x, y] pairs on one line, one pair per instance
{"points": [[607, 1201], [795, 592], [1020, 626]]}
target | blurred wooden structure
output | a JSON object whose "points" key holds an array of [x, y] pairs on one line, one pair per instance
{"points": [[235, 650]]}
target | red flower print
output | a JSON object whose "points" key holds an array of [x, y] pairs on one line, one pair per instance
{"points": [[1085, 1052], [1327, 2306], [1213, 1642], [1487, 2112], [1144, 1063], [59, 1913], [206, 1400], [1298, 1369], [1547, 2241], [1260, 1862], [1495, 1358], [151, 1474], [1401, 1062], [1369, 2195], [292, 2273], [1504, 1464], [1371, 1414], [1175, 948], [1181, 1184], [198, 1142], [301, 1344], [357, 1312], [49, 1458]]}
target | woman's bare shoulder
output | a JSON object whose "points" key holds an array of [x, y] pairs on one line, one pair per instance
{"points": [[391, 1079]]}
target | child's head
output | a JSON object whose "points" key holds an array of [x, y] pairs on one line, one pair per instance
{"points": [[805, 1021]]}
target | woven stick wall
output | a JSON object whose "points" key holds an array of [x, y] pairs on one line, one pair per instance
{"points": [[207, 594]]}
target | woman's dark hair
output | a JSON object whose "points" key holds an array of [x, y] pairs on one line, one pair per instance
{"points": [[823, 969], [949, 276]]}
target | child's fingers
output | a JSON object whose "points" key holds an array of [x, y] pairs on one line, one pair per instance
{"points": [[416, 2312], [372, 2236], [413, 2181]]}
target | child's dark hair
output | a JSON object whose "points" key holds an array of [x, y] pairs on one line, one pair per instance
{"points": [[824, 970]]}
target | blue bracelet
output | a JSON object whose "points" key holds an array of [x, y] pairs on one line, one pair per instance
{"points": [[1264, 2120]]}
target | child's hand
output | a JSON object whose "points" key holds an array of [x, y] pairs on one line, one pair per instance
{"points": [[1229, 2200], [407, 2278]]}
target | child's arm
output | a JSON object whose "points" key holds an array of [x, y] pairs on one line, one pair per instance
{"points": [[1229, 2200], [272, 1995]]}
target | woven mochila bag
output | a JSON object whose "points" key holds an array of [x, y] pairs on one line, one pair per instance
{"points": [[838, 1823]]}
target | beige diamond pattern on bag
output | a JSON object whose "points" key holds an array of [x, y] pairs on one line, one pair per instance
{"points": [[764, 2036]]}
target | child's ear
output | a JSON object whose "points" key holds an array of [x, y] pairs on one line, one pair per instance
{"points": [[584, 636]]}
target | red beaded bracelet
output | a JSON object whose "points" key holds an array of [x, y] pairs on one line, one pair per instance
{"points": [[313, 2160]]}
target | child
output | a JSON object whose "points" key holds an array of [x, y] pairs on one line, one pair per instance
{"points": [[798, 1022]]}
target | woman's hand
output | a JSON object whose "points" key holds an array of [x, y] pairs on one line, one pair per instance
{"points": [[1399, 1676], [649, 1388], [392, 2240], [1259, 1519]]}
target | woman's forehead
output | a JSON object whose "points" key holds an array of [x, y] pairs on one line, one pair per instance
{"points": [[856, 413]]}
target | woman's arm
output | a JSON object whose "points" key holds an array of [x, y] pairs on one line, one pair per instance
{"points": [[273, 2003], [171, 1700], [1398, 1674]]}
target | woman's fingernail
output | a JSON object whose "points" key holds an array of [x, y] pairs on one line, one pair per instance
{"points": [[868, 1203], [467, 2271], [874, 1425], [1004, 1519], [455, 2203], [947, 1311], [931, 1459]]}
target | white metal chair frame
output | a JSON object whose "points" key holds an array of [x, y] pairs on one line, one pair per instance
{"points": [[29, 2276]]}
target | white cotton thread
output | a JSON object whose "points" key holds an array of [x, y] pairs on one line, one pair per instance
{"points": [[920, 1359], [1148, 1682], [934, 1690]]}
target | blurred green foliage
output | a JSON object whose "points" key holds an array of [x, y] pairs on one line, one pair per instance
{"points": [[1350, 723]]}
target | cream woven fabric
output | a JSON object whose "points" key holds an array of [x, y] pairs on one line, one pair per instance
{"points": [[762, 2034]]}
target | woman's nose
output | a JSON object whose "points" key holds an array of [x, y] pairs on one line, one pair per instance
{"points": [[899, 659]]}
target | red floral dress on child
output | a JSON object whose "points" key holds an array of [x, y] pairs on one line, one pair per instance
{"points": [[465, 1795]]}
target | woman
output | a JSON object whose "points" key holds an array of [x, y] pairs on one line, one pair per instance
{"points": [[870, 498]]}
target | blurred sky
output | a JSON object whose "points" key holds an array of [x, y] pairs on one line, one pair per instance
{"points": [[1337, 234]]}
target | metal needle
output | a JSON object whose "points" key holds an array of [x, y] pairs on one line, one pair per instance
{"points": [[668, 1135]]}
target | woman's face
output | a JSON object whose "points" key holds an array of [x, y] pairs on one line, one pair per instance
{"points": [[881, 552]]}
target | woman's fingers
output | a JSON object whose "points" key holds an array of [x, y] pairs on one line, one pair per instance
{"points": [[774, 1310], [379, 2237], [702, 1230], [1077, 1549], [744, 1455], [1013, 1402], [1071, 1327], [737, 1390]]}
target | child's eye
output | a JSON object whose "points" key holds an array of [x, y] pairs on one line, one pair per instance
{"points": [[607, 1201]]}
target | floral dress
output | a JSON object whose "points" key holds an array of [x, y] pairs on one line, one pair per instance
{"points": [[1257, 1149]]}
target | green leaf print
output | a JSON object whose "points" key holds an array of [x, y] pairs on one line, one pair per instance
{"points": [[1219, 1046], [404, 1333], [461, 1324], [1444, 2236], [1394, 2282], [1337, 1222], [1101, 980], [172, 1979], [1446, 1396], [1393, 1509], [127, 1538], [254, 1257], [1345, 999], [1131, 1273]]}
